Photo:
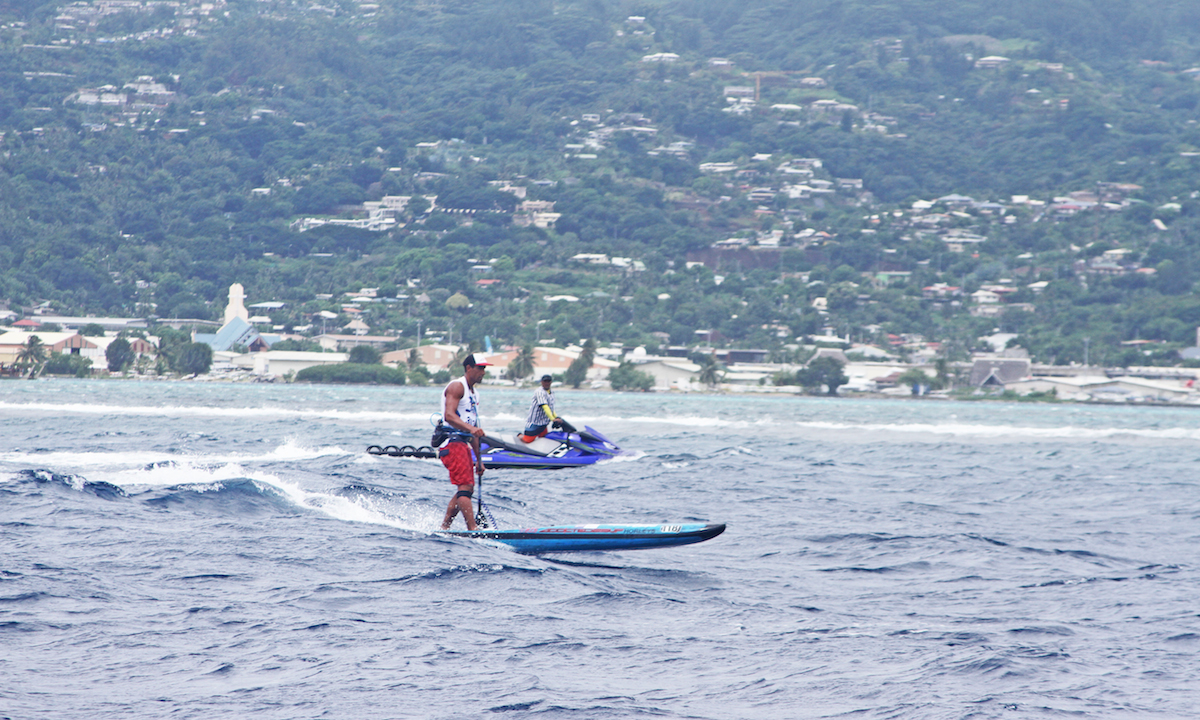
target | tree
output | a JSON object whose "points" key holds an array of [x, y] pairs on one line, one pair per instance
{"points": [[194, 359], [364, 355], [578, 369], [825, 371], [119, 355], [92, 330], [710, 372], [298, 345], [522, 365], [915, 378], [627, 377], [32, 354], [414, 360], [943, 378], [171, 343], [417, 206], [68, 364]]}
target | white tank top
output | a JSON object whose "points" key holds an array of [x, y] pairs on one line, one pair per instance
{"points": [[468, 405]]}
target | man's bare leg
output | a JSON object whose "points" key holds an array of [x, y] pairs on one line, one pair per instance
{"points": [[460, 503]]}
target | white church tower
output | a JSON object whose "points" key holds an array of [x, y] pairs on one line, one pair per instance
{"points": [[235, 308]]}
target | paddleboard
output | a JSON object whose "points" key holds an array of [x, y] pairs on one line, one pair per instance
{"points": [[592, 538]]}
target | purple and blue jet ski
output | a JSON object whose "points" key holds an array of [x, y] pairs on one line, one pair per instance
{"points": [[564, 448]]}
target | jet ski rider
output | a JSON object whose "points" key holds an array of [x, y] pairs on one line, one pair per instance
{"points": [[541, 412], [460, 410]]}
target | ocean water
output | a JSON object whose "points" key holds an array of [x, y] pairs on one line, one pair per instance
{"points": [[197, 550]]}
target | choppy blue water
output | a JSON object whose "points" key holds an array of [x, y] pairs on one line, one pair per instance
{"points": [[195, 550]]}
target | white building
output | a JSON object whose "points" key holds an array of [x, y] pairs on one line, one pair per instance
{"points": [[277, 363], [669, 373]]}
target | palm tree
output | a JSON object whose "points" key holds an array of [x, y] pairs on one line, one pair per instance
{"points": [[578, 369], [32, 354], [943, 378], [521, 365], [709, 371]]}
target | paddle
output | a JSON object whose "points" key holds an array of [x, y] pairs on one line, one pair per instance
{"points": [[483, 516]]}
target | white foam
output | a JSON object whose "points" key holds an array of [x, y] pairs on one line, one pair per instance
{"points": [[1014, 432], [402, 515], [390, 512], [290, 450], [625, 457], [241, 413], [684, 420], [784, 425]]}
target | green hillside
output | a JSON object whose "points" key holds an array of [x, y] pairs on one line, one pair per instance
{"points": [[748, 171]]}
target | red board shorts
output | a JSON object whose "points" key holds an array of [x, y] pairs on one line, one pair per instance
{"points": [[456, 456]]}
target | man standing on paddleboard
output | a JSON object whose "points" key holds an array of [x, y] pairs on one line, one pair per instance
{"points": [[460, 410]]}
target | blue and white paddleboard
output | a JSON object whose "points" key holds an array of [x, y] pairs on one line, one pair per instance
{"points": [[591, 538]]}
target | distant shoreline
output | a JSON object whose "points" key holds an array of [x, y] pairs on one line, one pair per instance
{"points": [[731, 393]]}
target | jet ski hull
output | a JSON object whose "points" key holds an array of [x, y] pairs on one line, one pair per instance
{"points": [[555, 450]]}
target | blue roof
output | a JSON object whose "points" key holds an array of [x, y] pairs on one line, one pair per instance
{"points": [[235, 332]]}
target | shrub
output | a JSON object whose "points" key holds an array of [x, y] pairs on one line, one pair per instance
{"points": [[364, 355], [627, 377], [119, 355], [68, 364], [194, 359], [352, 373]]}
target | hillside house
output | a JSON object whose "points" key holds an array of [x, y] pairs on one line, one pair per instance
{"points": [[669, 373], [331, 342], [742, 355], [991, 62], [997, 374], [718, 167], [70, 343], [1106, 389], [548, 360], [138, 346], [277, 363], [960, 243], [74, 322], [433, 357]]}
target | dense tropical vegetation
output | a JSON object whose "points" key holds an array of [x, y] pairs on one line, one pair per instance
{"points": [[152, 156]]}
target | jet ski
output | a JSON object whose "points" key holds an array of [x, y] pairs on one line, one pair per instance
{"points": [[568, 447], [556, 449]]}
